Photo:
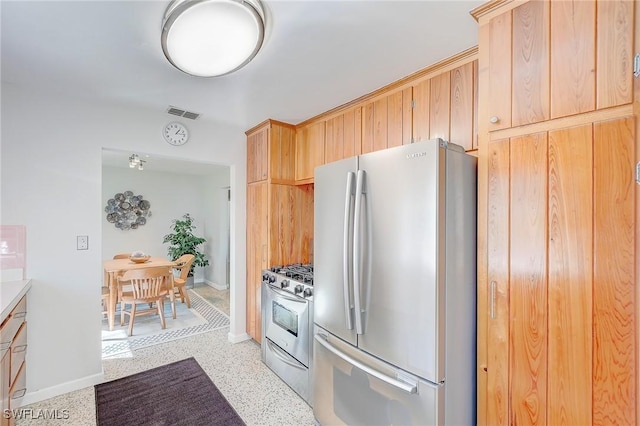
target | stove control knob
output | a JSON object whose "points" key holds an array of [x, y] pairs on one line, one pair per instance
{"points": [[308, 292], [298, 289], [284, 284], [272, 278]]}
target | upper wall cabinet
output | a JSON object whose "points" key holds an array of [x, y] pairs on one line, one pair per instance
{"points": [[271, 153], [387, 121], [343, 135], [534, 75], [445, 106], [309, 150]]}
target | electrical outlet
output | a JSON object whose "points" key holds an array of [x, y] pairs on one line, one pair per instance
{"points": [[83, 242]]}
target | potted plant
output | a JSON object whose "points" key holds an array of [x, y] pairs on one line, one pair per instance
{"points": [[183, 241]]}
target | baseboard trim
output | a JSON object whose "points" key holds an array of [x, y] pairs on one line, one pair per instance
{"points": [[214, 285], [53, 391], [237, 338]]}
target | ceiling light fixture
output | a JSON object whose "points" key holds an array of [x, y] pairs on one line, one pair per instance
{"points": [[208, 38], [136, 161]]}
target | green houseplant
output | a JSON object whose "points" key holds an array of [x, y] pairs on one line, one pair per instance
{"points": [[183, 241]]}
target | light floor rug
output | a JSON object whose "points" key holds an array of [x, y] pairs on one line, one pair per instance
{"points": [[202, 317], [179, 393]]}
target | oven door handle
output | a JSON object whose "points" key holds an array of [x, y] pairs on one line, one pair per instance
{"points": [[286, 296], [407, 387], [282, 355]]}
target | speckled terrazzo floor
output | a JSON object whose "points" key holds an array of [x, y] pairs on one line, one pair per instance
{"points": [[256, 393]]}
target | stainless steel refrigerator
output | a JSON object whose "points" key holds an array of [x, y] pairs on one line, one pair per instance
{"points": [[395, 287]]}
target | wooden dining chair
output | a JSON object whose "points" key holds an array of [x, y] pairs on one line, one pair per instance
{"points": [[148, 285], [105, 288], [184, 263]]}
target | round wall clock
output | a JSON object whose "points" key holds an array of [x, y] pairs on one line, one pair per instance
{"points": [[175, 133]]}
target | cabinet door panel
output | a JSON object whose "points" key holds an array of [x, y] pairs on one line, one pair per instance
{"points": [[257, 257], [368, 120], [352, 132], [257, 155], [380, 117], [570, 275], [573, 39], [439, 106], [498, 33], [615, 53], [615, 327], [309, 150], [530, 63], [282, 143], [498, 278], [528, 282], [394, 119], [462, 89], [421, 96]]}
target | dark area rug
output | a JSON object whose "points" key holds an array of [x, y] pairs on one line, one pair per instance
{"points": [[179, 393]]}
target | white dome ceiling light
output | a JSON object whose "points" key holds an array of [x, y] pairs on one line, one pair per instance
{"points": [[208, 38]]}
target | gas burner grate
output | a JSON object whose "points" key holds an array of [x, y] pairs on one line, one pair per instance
{"points": [[298, 272]]}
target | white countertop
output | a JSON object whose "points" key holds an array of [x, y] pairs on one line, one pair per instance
{"points": [[10, 294]]}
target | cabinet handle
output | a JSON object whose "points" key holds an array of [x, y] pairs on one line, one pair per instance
{"points": [[493, 299], [494, 119]]}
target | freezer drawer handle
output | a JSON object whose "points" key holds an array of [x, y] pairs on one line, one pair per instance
{"points": [[407, 387]]}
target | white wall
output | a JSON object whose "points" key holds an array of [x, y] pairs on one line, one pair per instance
{"points": [[171, 196], [51, 182]]}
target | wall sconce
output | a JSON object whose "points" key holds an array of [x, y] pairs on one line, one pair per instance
{"points": [[136, 161], [208, 38]]}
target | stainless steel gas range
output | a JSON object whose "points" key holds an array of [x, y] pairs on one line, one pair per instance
{"points": [[287, 325]]}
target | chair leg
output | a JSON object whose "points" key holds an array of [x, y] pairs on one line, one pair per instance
{"points": [[160, 304], [132, 315], [172, 300], [185, 292], [122, 306]]}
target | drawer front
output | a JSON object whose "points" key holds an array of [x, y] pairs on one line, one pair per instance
{"points": [[12, 324], [19, 388], [18, 351]]}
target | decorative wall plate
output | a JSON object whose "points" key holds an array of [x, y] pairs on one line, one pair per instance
{"points": [[127, 211]]}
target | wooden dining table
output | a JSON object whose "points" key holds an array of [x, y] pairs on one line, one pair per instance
{"points": [[112, 267]]}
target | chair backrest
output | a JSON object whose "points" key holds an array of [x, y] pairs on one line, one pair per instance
{"points": [[184, 264], [147, 283], [121, 256]]}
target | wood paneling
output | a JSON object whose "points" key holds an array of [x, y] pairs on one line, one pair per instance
{"points": [[352, 132], [570, 276], [573, 77], [528, 279], [439, 106], [530, 88], [615, 329], [368, 120], [498, 278], [334, 139], [614, 52], [462, 106], [407, 115]]}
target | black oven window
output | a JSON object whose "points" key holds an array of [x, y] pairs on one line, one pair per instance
{"points": [[285, 318]]}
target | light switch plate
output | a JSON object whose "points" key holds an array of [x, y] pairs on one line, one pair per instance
{"points": [[83, 242]]}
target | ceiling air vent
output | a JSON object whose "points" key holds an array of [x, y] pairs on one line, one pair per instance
{"points": [[182, 113]]}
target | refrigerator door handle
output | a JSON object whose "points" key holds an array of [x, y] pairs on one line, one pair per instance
{"points": [[357, 251], [347, 254], [407, 387]]}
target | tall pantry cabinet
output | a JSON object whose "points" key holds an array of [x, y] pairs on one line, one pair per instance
{"points": [[279, 213], [558, 210]]}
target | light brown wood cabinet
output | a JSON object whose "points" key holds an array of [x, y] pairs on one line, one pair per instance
{"points": [[13, 341], [271, 152], [343, 137], [310, 144], [546, 60], [387, 121], [557, 206]]}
